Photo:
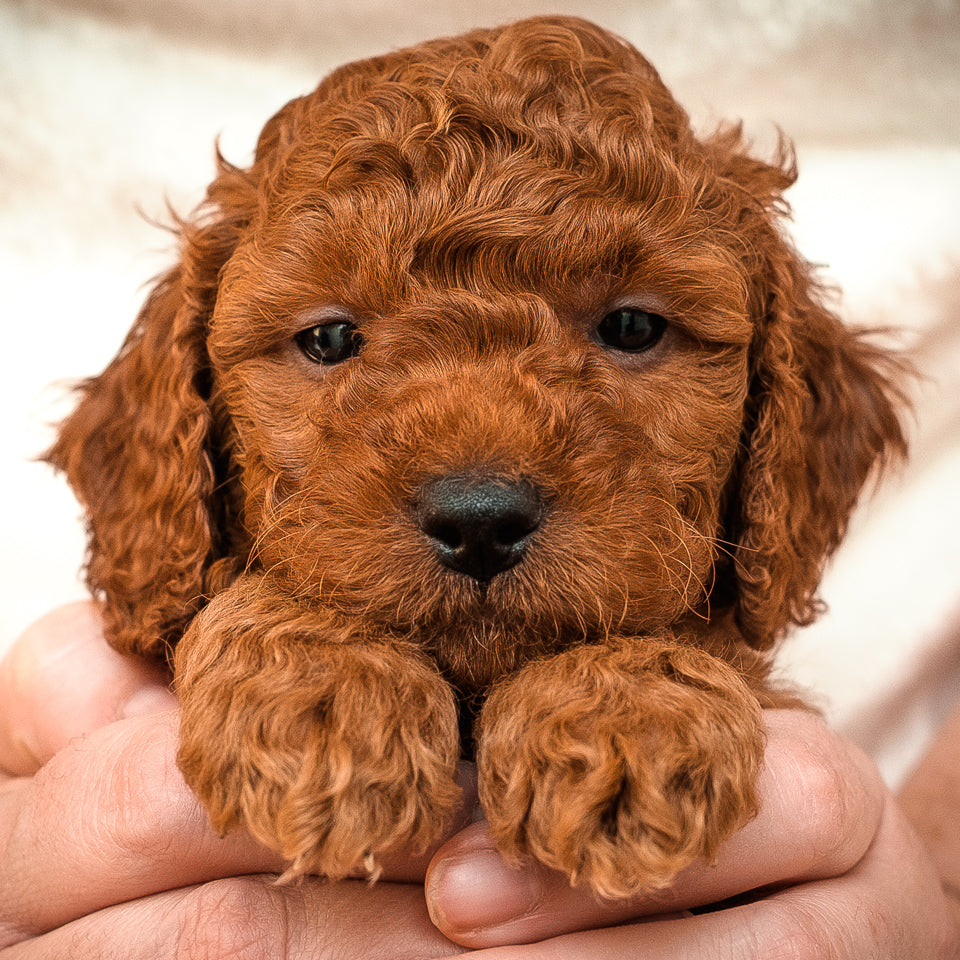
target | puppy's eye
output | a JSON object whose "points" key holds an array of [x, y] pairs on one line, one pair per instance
{"points": [[631, 329], [330, 342]]}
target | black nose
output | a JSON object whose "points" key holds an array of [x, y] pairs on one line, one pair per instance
{"points": [[479, 526]]}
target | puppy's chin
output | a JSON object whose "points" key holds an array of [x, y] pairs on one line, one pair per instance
{"points": [[478, 632], [474, 652]]}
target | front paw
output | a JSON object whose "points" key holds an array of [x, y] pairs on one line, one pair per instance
{"points": [[620, 765], [333, 753]]}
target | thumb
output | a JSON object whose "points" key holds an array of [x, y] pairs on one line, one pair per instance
{"points": [[478, 900], [60, 680]]}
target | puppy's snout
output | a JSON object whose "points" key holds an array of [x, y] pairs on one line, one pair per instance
{"points": [[479, 525]]}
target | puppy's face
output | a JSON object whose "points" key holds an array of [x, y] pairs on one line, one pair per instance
{"points": [[497, 308], [486, 350]]}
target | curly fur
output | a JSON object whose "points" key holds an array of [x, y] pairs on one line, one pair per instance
{"points": [[476, 205]]}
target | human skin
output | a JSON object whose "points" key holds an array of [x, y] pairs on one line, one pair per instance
{"points": [[930, 797], [104, 852]]}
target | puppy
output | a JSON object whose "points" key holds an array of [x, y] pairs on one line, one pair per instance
{"points": [[488, 412]]}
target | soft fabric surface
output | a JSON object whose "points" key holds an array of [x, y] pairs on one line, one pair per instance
{"points": [[109, 109]]}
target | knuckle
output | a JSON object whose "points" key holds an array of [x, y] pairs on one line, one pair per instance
{"points": [[825, 805], [799, 934], [813, 929], [838, 805], [144, 812], [241, 917]]}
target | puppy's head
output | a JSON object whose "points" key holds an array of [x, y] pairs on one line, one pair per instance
{"points": [[486, 348]]}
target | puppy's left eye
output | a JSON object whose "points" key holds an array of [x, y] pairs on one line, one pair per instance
{"points": [[330, 342], [631, 329]]}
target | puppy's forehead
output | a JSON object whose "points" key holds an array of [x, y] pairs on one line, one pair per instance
{"points": [[559, 65], [545, 157], [558, 91]]}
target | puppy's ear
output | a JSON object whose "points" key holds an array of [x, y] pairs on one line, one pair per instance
{"points": [[146, 453], [823, 413]]}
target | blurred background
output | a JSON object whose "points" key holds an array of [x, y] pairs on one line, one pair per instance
{"points": [[109, 110]]}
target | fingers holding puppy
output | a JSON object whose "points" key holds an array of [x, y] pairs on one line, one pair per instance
{"points": [[821, 803], [61, 680], [108, 819], [252, 916]]}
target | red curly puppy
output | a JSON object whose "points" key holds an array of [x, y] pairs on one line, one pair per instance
{"points": [[489, 402]]}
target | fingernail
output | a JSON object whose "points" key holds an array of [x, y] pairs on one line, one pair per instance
{"points": [[479, 890], [146, 700]]}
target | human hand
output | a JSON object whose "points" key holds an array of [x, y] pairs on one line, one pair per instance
{"points": [[105, 852], [830, 867]]}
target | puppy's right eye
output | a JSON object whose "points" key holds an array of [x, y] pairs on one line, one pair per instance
{"points": [[330, 342], [631, 329]]}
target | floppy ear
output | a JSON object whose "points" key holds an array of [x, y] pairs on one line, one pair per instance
{"points": [[147, 454], [823, 414]]}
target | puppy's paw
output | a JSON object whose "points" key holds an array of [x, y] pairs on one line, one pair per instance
{"points": [[332, 753], [620, 765]]}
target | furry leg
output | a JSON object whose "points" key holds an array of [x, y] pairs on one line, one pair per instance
{"points": [[332, 747]]}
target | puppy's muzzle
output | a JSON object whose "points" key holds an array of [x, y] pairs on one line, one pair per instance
{"points": [[479, 525]]}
